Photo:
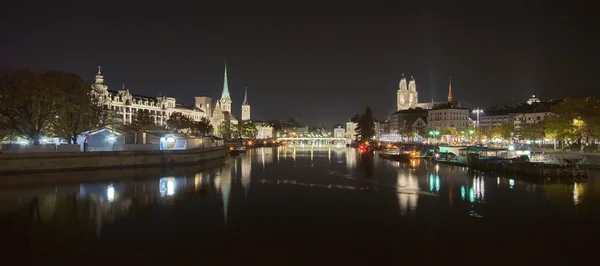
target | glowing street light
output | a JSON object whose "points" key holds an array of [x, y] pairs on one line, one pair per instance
{"points": [[478, 111]]}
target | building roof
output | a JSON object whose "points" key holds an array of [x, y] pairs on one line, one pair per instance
{"points": [[245, 102], [411, 111], [225, 93], [188, 107]]}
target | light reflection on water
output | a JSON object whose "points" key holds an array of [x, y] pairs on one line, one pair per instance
{"points": [[278, 175]]}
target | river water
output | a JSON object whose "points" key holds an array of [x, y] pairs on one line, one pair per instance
{"points": [[303, 206]]}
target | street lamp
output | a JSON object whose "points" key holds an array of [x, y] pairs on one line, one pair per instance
{"points": [[477, 111]]}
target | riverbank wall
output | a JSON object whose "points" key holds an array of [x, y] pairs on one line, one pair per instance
{"points": [[70, 161], [73, 179]]}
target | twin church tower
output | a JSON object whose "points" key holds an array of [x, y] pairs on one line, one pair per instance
{"points": [[407, 96]]}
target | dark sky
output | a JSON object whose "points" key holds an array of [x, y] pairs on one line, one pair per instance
{"points": [[319, 63]]}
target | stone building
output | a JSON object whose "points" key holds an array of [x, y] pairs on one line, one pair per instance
{"points": [[126, 105], [448, 117]]}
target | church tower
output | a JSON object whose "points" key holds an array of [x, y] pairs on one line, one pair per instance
{"points": [[225, 98], [413, 95], [245, 107], [402, 94], [450, 90], [407, 96]]}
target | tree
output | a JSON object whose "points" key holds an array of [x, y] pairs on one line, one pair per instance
{"points": [[293, 121], [596, 135], [5, 131], [422, 132], [276, 124], [486, 132], [226, 129], [532, 131], [505, 131], [450, 132], [559, 128], [202, 127], [583, 113], [76, 110], [407, 133], [143, 120], [248, 130], [366, 125], [178, 122], [28, 103]]}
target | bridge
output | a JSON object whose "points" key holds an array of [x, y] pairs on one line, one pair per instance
{"points": [[315, 140]]}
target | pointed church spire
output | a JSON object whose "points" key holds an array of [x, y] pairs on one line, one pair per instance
{"points": [[450, 90], [245, 102], [225, 93]]}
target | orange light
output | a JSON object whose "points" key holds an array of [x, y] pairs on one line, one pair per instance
{"points": [[264, 142], [230, 148]]}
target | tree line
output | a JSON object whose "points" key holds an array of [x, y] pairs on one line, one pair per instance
{"points": [[574, 119], [36, 104], [229, 130]]}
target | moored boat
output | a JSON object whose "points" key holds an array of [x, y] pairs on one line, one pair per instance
{"points": [[237, 150], [395, 155]]}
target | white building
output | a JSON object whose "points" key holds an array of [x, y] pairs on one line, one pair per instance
{"points": [[351, 130], [533, 99], [339, 132], [126, 105], [531, 118], [265, 131], [453, 117]]}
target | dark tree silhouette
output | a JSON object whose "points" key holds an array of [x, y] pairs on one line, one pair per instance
{"points": [[28, 103], [178, 122], [366, 125], [143, 120], [202, 127]]}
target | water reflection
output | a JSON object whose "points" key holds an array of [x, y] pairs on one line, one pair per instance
{"points": [[351, 158], [340, 180], [246, 162], [407, 187]]}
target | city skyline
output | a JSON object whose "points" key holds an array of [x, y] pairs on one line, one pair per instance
{"points": [[317, 66]]}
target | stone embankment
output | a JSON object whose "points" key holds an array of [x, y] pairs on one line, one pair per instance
{"points": [[67, 161]]}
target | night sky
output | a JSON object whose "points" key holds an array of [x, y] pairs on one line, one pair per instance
{"points": [[319, 63]]}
